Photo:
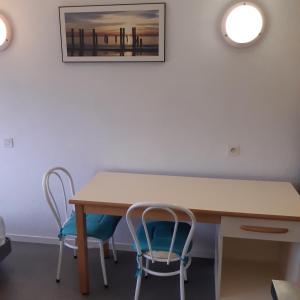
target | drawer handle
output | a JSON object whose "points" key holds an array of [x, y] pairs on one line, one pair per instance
{"points": [[264, 229]]}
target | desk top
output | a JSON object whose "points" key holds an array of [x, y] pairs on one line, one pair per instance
{"points": [[283, 290], [249, 198]]}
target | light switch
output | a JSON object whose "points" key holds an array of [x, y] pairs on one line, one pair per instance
{"points": [[8, 143]]}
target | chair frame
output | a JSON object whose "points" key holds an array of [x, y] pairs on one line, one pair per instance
{"points": [[149, 256], [62, 219]]}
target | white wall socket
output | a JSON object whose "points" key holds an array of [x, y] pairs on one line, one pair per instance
{"points": [[8, 143], [234, 150]]}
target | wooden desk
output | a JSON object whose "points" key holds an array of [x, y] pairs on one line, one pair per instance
{"points": [[283, 290], [209, 199]]}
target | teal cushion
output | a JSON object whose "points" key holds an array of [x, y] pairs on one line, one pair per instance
{"points": [[160, 234], [97, 226]]}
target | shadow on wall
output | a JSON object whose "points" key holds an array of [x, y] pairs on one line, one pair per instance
{"points": [[297, 186]]}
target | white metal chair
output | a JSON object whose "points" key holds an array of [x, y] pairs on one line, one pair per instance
{"points": [[162, 241], [100, 227]]}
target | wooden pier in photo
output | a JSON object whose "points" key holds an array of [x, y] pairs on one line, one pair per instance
{"points": [[78, 42]]}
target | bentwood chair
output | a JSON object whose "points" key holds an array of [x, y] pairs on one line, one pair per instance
{"points": [[100, 227], [162, 241]]}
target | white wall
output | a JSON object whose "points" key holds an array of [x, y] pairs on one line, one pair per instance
{"points": [[175, 118]]}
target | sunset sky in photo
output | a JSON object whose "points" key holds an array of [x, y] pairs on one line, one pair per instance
{"points": [[146, 21]]}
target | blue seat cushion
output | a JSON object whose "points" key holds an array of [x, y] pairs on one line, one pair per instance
{"points": [[97, 226], [160, 235]]}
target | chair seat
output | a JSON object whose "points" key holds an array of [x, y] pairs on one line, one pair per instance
{"points": [[97, 226], [162, 255], [160, 234]]}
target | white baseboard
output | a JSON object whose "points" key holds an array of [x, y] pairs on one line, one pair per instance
{"points": [[202, 253], [33, 239], [43, 239]]}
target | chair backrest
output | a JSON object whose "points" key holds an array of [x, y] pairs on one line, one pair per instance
{"points": [[172, 210], [64, 178]]}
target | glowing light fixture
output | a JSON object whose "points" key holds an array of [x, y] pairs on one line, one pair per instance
{"points": [[243, 24], [5, 33]]}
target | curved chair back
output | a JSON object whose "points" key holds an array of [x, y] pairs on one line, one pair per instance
{"points": [[64, 177], [172, 210]]}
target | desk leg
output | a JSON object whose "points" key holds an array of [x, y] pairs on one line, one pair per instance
{"points": [[82, 250], [218, 262]]}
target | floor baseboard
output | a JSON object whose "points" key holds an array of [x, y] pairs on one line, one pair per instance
{"points": [[202, 253]]}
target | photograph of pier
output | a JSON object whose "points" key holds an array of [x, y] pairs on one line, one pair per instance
{"points": [[115, 33]]}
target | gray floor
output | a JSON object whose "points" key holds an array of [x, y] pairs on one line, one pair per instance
{"points": [[29, 273]]}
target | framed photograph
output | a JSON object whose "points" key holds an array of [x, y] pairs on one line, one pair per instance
{"points": [[124, 33]]}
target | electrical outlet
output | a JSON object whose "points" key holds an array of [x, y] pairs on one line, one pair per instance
{"points": [[8, 143], [234, 150]]}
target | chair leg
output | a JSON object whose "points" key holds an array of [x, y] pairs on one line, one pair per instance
{"points": [[61, 247], [147, 267], [185, 275], [139, 279], [103, 264], [114, 249], [182, 293], [138, 287]]}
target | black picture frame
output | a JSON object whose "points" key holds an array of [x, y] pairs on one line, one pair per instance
{"points": [[113, 33]]}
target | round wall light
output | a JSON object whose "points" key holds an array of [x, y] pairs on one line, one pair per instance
{"points": [[243, 24], [5, 33]]}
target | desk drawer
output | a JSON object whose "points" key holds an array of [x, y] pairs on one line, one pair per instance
{"points": [[272, 230]]}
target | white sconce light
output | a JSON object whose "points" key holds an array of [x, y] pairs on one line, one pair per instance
{"points": [[243, 24], [5, 33]]}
